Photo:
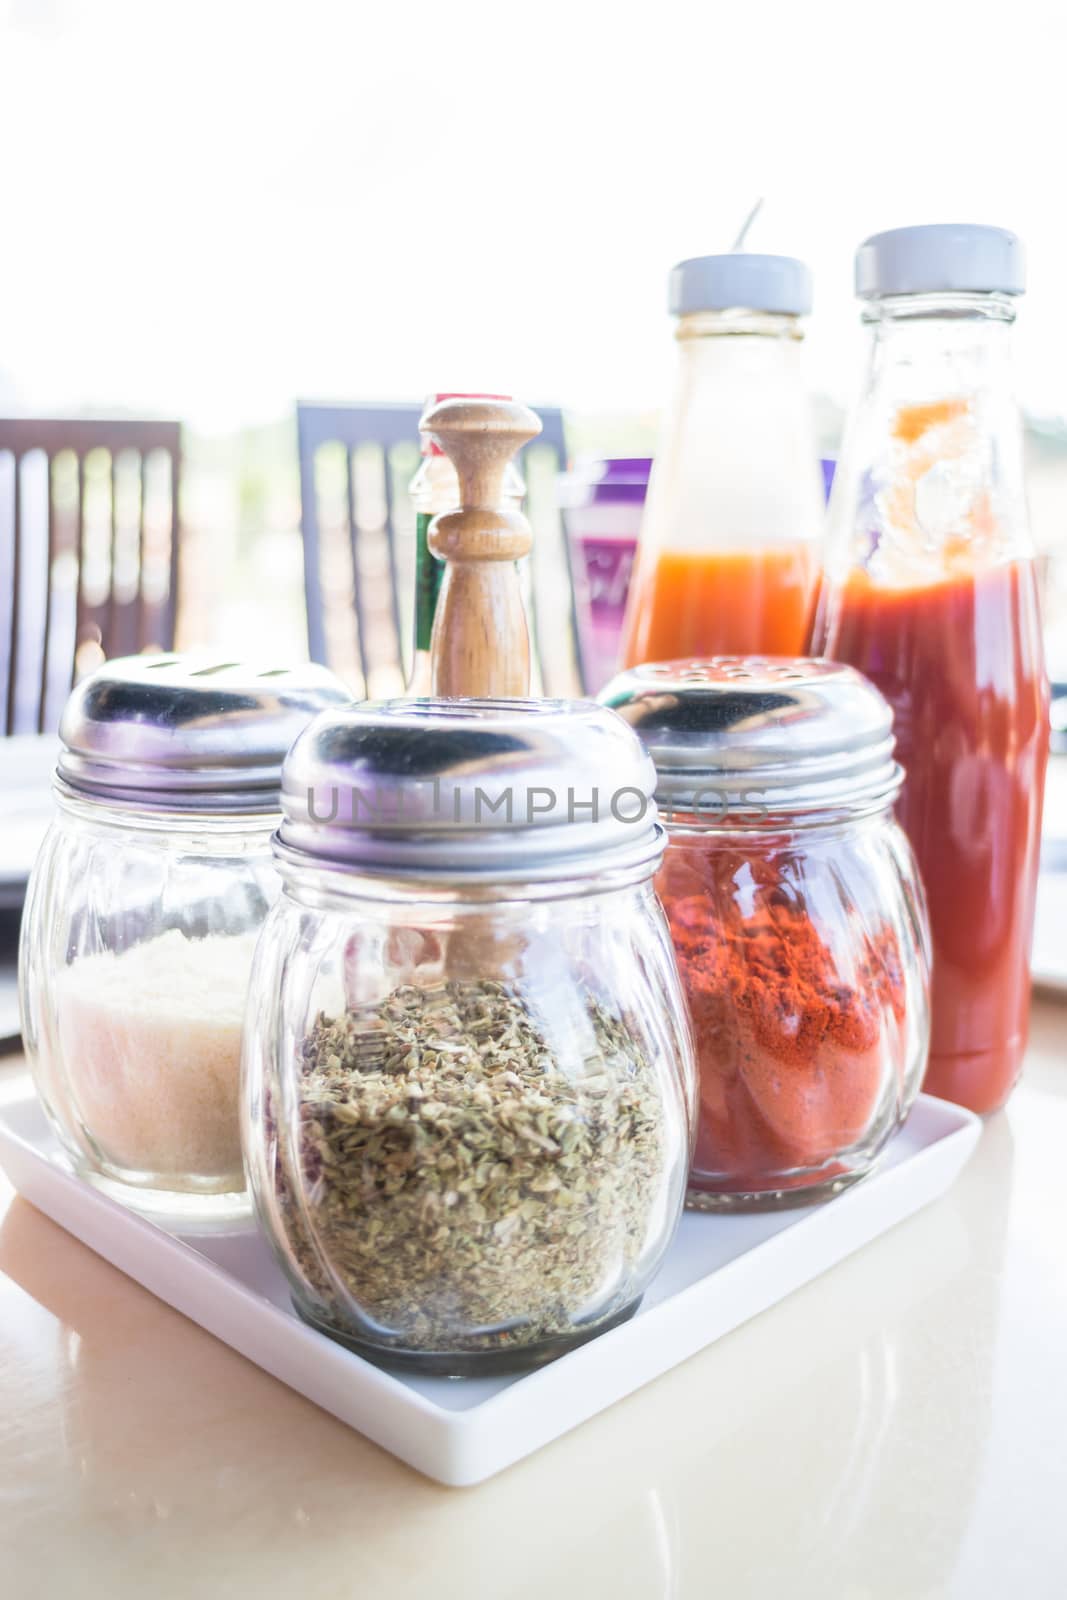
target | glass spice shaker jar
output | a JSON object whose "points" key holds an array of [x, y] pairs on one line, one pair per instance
{"points": [[142, 915], [797, 916], [469, 1082]]}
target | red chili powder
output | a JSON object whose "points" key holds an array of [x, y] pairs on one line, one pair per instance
{"points": [[792, 1059]]}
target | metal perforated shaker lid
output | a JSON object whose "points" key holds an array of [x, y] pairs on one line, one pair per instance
{"points": [[486, 790], [189, 732], [736, 735]]}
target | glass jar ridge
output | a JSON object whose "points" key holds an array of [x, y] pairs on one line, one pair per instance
{"points": [[739, 321]]}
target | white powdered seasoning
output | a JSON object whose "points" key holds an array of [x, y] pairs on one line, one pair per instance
{"points": [[152, 1044]]}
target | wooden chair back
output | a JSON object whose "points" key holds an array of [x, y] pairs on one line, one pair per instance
{"points": [[89, 554]]}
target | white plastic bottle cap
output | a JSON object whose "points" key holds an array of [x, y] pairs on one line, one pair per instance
{"points": [[941, 257], [779, 284]]}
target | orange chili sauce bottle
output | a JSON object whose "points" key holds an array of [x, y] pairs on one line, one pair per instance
{"points": [[724, 602], [728, 555]]}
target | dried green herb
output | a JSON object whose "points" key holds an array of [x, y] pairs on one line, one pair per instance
{"points": [[467, 1185]]}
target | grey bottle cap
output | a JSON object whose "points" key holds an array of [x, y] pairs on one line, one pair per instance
{"points": [[740, 735], [743, 281], [486, 790], [941, 257], [189, 732]]}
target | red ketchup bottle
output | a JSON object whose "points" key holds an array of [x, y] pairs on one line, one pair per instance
{"points": [[929, 588]]}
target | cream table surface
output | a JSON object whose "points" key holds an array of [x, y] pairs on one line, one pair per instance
{"points": [[897, 1429]]}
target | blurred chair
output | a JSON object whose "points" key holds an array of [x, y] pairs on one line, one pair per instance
{"points": [[358, 527], [89, 546]]}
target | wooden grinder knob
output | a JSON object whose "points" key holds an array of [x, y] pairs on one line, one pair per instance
{"points": [[481, 643]]}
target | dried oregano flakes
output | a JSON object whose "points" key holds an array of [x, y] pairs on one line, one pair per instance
{"points": [[475, 1174]]}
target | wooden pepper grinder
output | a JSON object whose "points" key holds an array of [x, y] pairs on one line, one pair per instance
{"points": [[481, 643]]}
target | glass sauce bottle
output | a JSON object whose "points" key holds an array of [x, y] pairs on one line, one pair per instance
{"points": [[727, 559], [930, 589]]}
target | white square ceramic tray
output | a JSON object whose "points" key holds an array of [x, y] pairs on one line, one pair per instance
{"points": [[719, 1272]]}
